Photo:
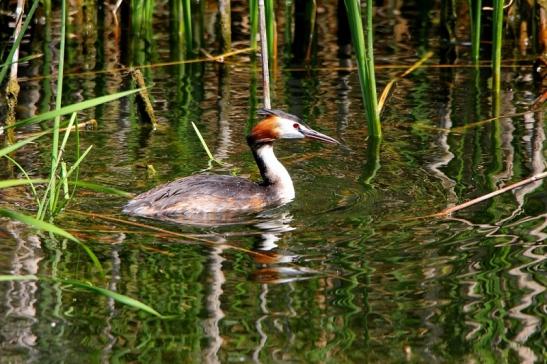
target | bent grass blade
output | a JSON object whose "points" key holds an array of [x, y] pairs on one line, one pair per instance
{"points": [[12, 148], [126, 300], [74, 108], [45, 226], [209, 154]]}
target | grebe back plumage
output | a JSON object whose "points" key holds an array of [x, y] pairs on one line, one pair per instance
{"points": [[201, 195]]}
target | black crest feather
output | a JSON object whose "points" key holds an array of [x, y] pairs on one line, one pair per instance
{"points": [[279, 113]]}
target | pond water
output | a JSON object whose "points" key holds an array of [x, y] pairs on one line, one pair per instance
{"points": [[352, 270]]}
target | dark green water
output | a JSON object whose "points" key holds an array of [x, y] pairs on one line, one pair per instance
{"points": [[345, 273]]}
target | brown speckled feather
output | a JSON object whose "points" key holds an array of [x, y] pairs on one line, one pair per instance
{"points": [[201, 194]]}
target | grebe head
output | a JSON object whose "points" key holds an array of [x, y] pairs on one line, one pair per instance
{"points": [[281, 125]]}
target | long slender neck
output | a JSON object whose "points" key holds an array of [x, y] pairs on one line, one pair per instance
{"points": [[274, 175]]}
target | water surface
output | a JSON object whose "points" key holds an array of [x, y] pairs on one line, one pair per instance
{"points": [[350, 271]]}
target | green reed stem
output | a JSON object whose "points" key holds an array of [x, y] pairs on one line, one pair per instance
{"points": [[188, 34], [475, 7], [58, 102], [497, 35], [253, 20], [270, 29], [365, 62]]}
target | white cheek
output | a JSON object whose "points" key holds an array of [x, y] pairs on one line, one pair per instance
{"points": [[289, 132]]}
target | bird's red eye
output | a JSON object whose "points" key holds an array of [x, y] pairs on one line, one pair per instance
{"points": [[296, 125]]}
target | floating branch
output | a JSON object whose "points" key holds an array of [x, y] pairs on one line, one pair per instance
{"points": [[475, 201]]}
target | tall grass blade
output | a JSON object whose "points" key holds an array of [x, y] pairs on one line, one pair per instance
{"points": [[4, 68], [58, 100], [50, 228], [74, 108]]}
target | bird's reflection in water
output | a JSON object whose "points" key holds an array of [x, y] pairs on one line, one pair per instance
{"points": [[273, 267]]}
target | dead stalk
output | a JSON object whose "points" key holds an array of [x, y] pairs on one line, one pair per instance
{"points": [[475, 201]]}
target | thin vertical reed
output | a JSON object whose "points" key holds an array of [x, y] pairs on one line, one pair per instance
{"points": [[253, 22], [365, 61], [264, 53], [224, 10], [496, 44], [188, 34], [271, 39], [475, 8], [58, 102]]}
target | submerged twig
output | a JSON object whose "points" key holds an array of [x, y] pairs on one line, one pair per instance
{"points": [[83, 124], [474, 201]]}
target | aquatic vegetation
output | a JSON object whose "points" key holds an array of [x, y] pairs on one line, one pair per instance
{"points": [[50, 203], [356, 269], [497, 40], [475, 9], [365, 61]]}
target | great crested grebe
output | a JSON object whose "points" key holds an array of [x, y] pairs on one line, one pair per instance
{"points": [[201, 195]]}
